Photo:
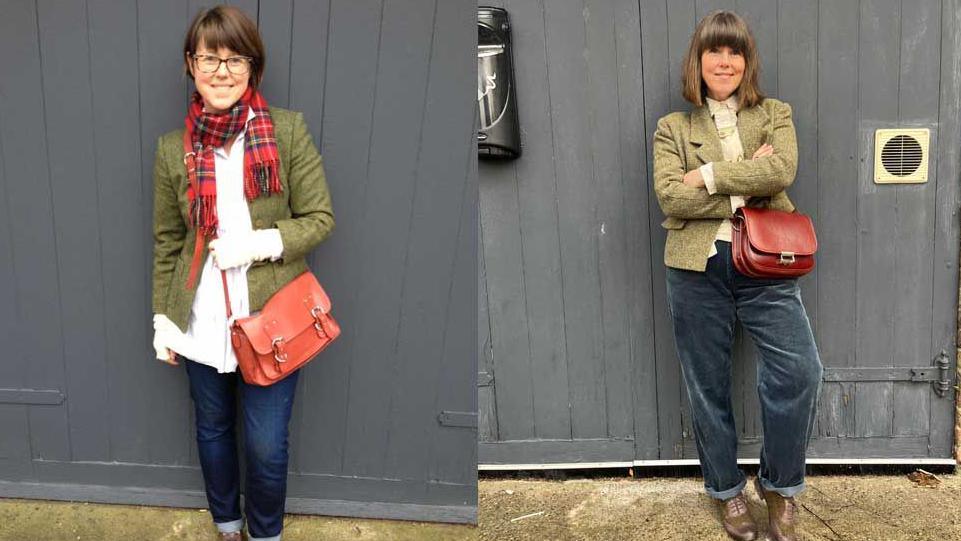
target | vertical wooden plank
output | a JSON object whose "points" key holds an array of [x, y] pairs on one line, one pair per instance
{"points": [[37, 324], [164, 89], [762, 16], [879, 71], [661, 96], [609, 220], [838, 50], [486, 414], [308, 67], [638, 256], [682, 18], [706, 7], [275, 23], [11, 375], [452, 455], [914, 219], [486, 400], [15, 446], [538, 225], [70, 150], [504, 262], [504, 259], [117, 157], [577, 207], [432, 242], [944, 281], [347, 106], [401, 77]]}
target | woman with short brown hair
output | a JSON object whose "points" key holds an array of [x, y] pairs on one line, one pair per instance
{"points": [[259, 204], [701, 178]]}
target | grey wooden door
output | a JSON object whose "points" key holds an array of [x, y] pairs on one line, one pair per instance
{"points": [[384, 420], [572, 252]]}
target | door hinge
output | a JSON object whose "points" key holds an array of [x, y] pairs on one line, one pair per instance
{"points": [[938, 375], [943, 385], [458, 419]]}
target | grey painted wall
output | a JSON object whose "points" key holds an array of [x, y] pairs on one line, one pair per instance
{"points": [[385, 86], [577, 352]]}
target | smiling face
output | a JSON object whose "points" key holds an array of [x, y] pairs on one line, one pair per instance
{"points": [[221, 89], [722, 69]]}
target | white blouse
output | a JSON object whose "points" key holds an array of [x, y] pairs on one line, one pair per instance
{"points": [[725, 119], [207, 340]]}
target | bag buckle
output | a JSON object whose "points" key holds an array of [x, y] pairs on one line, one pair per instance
{"points": [[280, 354], [787, 258], [317, 312]]}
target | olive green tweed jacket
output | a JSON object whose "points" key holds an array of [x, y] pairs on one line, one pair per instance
{"points": [[685, 141], [302, 212]]}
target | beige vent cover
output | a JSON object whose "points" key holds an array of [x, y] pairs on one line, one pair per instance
{"points": [[901, 156]]}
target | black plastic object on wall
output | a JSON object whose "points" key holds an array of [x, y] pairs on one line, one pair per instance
{"points": [[499, 136]]}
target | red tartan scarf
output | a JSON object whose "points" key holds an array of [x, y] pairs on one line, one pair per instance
{"points": [[261, 160]]}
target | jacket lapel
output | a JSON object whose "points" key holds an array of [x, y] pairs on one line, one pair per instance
{"points": [[704, 136]]}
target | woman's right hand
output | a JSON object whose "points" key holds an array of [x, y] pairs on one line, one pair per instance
{"points": [[170, 359], [161, 330], [765, 150]]}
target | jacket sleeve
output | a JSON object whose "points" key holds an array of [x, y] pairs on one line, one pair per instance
{"points": [[763, 176], [312, 217], [677, 199], [169, 231]]}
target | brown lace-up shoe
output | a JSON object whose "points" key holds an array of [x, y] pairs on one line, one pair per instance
{"points": [[781, 512], [738, 522]]}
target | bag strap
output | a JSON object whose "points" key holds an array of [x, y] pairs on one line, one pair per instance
{"points": [[190, 161]]}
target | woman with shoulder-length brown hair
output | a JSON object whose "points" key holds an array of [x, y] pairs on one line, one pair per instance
{"points": [[259, 205], [735, 148]]}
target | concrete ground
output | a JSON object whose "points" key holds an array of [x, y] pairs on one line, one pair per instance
{"points": [[848, 508], [39, 520]]}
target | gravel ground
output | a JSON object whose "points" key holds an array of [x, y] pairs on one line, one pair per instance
{"points": [[848, 508], [39, 520]]}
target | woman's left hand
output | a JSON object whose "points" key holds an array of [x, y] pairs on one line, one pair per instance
{"points": [[694, 179], [239, 250], [764, 151]]}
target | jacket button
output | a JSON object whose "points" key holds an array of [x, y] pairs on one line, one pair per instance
{"points": [[259, 223]]}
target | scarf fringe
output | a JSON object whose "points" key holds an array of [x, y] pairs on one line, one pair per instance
{"points": [[203, 214], [262, 179]]}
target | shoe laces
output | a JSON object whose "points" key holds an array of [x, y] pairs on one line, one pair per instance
{"points": [[736, 505]]}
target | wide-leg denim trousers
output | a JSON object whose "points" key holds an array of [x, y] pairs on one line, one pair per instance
{"points": [[704, 307], [266, 415]]}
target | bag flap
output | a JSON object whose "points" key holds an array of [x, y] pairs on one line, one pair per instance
{"points": [[775, 231], [286, 314]]}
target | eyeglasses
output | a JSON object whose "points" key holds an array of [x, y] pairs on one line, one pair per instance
{"points": [[208, 63]]}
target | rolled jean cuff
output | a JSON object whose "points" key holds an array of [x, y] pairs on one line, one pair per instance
{"points": [[787, 492], [272, 538], [230, 527], [729, 493]]}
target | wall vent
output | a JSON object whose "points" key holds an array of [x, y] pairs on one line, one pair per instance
{"points": [[901, 156]]}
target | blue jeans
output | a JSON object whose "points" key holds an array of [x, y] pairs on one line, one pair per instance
{"points": [[704, 307], [266, 412]]}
